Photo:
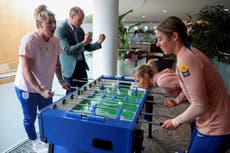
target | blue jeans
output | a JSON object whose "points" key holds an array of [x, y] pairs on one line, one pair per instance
{"points": [[30, 102], [201, 143]]}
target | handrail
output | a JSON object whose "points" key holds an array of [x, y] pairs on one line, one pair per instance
{"points": [[7, 75]]}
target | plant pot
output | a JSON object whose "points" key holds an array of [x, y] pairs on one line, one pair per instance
{"points": [[125, 68]]}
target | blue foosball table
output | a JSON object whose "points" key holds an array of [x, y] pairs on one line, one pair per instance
{"points": [[99, 117]]}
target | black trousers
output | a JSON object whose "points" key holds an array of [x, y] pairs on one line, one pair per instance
{"points": [[79, 76]]}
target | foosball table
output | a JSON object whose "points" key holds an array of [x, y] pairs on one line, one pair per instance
{"points": [[99, 117]]}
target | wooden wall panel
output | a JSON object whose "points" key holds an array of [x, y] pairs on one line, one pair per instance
{"points": [[14, 24]]}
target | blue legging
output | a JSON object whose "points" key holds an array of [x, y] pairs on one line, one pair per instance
{"points": [[30, 102], [201, 143]]}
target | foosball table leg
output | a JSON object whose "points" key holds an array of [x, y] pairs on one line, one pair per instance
{"points": [[150, 131], [149, 109], [51, 148]]}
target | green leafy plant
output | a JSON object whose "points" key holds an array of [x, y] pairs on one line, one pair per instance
{"points": [[146, 34], [209, 31], [123, 38]]}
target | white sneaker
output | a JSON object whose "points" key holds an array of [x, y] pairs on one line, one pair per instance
{"points": [[40, 147]]}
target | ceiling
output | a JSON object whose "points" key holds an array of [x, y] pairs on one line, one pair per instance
{"points": [[152, 10]]}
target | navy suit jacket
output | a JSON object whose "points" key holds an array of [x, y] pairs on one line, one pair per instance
{"points": [[72, 48]]}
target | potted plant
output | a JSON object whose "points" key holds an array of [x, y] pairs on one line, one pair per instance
{"points": [[123, 66], [209, 31], [123, 37]]}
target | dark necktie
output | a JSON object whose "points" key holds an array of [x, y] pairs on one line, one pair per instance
{"points": [[75, 34], [81, 56]]}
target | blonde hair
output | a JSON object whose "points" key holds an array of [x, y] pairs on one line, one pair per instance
{"points": [[148, 68], [41, 13], [151, 63]]}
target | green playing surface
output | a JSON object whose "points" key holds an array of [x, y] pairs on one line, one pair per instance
{"points": [[109, 101]]}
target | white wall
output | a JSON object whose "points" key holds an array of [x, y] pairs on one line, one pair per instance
{"points": [[11, 118]]}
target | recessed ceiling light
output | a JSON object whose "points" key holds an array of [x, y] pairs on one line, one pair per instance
{"points": [[143, 16], [164, 11]]}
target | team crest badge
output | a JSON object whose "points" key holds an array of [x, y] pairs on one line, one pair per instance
{"points": [[25, 95], [184, 70]]}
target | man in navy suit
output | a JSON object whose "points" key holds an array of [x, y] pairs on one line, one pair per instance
{"points": [[74, 43]]}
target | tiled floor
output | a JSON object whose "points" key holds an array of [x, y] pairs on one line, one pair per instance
{"points": [[24, 148], [163, 141]]}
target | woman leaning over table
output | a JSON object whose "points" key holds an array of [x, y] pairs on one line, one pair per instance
{"points": [[203, 88]]}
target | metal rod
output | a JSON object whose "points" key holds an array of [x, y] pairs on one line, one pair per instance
{"points": [[112, 102], [158, 93], [80, 80], [124, 110], [154, 102], [145, 113], [59, 95], [149, 101], [112, 95], [108, 101], [148, 122], [89, 78], [107, 115], [74, 87], [104, 90], [121, 85]]}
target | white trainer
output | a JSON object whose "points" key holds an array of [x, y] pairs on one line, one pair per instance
{"points": [[40, 147]]}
